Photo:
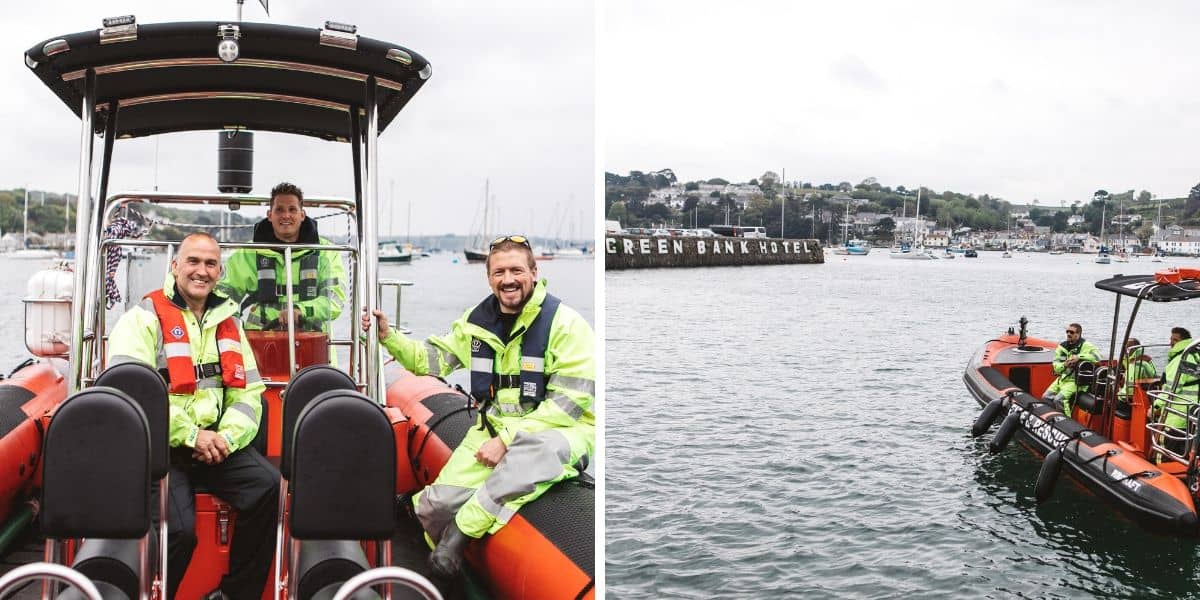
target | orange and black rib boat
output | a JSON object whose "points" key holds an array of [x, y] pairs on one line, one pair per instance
{"points": [[1117, 441]]}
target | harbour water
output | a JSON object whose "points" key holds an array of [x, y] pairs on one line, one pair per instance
{"points": [[802, 431], [444, 287]]}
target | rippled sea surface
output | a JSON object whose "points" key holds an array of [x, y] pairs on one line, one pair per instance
{"points": [[802, 431]]}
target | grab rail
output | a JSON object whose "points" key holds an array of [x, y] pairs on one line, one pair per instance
{"points": [[410, 579], [45, 570], [1179, 406], [399, 284]]}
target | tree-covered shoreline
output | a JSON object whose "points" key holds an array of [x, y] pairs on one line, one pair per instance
{"points": [[49, 215], [636, 200]]}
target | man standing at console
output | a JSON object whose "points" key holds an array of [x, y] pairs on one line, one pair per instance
{"points": [[533, 373], [256, 279], [193, 336]]}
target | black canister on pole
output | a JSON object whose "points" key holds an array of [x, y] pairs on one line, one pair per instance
{"points": [[235, 161]]}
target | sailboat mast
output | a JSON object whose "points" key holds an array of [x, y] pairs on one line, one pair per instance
{"points": [[1103, 205], [1121, 223], [917, 215]]}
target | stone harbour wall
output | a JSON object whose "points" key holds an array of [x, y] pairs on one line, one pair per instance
{"points": [[640, 252]]}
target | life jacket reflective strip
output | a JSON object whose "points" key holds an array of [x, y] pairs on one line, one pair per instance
{"points": [[533, 351], [270, 290], [177, 348], [534, 343]]}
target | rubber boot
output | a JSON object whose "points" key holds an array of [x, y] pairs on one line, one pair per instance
{"points": [[446, 559]]}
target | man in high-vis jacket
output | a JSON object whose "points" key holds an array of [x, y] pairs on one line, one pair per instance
{"points": [[257, 281], [1067, 357], [193, 337], [1136, 367], [1185, 367], [533, 373]]}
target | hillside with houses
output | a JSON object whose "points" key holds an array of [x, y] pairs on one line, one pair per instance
{"points": [[884, 215]]}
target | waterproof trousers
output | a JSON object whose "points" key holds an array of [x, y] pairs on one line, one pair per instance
{"points": [[480, 499], [1062, 392], [248, 483]]}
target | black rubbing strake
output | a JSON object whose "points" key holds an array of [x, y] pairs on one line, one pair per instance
{"points": [[566, 515], [449, 420]]}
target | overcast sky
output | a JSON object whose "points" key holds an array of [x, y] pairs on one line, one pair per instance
{"points": [[511, 99], [1023, 99]]}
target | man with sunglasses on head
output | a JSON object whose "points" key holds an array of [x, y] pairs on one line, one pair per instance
{"points": [[1067, 357], [533, 374]]}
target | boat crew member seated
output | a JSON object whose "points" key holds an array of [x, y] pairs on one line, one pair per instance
{"points": [[257, 281], [1185, 390], [532, 371], [1137, 367], [193, 336], [1067, 357]]}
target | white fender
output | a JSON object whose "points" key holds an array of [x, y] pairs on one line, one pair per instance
{"points": [[48, 298]]}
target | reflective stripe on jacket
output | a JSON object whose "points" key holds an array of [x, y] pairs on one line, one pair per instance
{"points": [[181, 370], [568, 365], [319, 302], [232, 412]]}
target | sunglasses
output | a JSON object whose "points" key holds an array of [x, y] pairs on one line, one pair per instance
{"points": [[516, 239], [1071, 332]]}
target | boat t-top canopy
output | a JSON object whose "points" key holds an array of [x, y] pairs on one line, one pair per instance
{"points": [[169, 77], [1149, 287], [128, 80]]}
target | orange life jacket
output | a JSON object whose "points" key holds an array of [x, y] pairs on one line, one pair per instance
{"points": [[178, 351]]}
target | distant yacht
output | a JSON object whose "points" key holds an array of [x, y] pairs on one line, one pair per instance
{"points": [[391, 252]]}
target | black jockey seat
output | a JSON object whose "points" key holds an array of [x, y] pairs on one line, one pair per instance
{"points": [[96, 484], [145, 386], [343, 482], [308, 383]]}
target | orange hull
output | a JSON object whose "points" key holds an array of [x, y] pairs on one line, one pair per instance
{"points": [[1152, 494], [27, 398], [545, 551]]}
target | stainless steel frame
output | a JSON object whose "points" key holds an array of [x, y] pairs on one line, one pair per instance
{"points": [[88, 315], [282, 65], [178, 96], [45, 570], [83, 231], [370, 242], [410, 579], [1179, 405]]}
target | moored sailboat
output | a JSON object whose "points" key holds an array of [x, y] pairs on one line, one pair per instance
{"points": [[477, 250]]}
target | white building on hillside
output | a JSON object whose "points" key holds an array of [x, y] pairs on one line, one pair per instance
{"points": [[1179, 244], [938, 239]]}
